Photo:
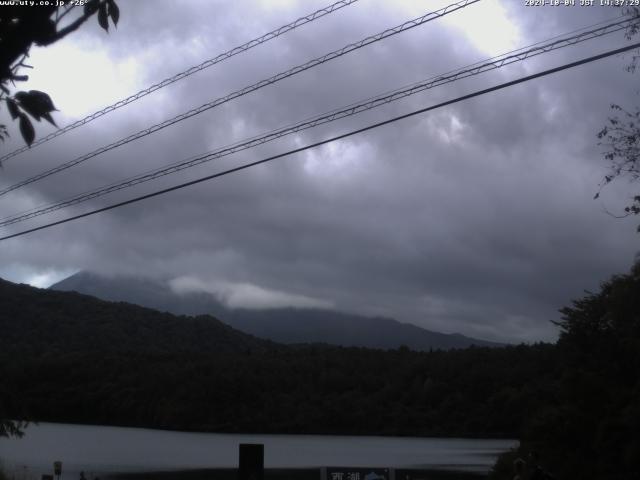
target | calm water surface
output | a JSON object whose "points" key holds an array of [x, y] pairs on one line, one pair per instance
{"points": [[98, 449]]}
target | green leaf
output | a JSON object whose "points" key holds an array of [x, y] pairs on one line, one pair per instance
{"points": [[48, 118], [12, 106], [114, 11], [35, 103], [26, 129], [103, 18], [24, 100], [90, 7], [43, 101]]}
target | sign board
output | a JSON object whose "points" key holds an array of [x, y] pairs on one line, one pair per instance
{"points": [[57, 468], [348, 473]]}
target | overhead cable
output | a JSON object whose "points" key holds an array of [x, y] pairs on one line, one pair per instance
{"points": [[353, 109], [186, 73], [244, 91], [328, 140]]}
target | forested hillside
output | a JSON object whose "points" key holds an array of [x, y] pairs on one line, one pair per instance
{"points": [[36, 322], [480, 392]]}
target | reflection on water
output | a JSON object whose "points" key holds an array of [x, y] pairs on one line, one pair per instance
{"points": [[98, 449]]}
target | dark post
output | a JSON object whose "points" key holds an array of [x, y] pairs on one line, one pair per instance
{"points": [[57, 468], [251, 464]]}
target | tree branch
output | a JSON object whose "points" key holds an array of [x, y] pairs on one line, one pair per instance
{"points": [[72, 27]]}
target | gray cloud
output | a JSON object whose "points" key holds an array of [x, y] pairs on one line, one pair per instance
{"points": [[477, 218]]}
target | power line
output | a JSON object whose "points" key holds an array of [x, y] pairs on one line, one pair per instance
{"points": [[263, 83], [329, 140], [186, 73], [353, 109]]}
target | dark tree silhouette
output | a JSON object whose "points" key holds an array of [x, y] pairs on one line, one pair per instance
{"points": [[621, 135], [586, 425], [11, 428], [21, 27]]}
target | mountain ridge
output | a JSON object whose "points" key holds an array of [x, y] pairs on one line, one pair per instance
{"points": [[282, 325]]}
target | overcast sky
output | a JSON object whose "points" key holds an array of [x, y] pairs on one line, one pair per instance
{"points": [[477, 218]]}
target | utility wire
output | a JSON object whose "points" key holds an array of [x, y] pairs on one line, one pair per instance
{"points": [[251, 88], [353, 109], [332, 139], [186, 73]]}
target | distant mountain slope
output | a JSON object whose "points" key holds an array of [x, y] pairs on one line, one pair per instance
{"points": [[33, 321], [284, 325], [335, 328]]}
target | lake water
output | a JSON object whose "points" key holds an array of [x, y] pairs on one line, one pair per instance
{"points": [[98, 450]]}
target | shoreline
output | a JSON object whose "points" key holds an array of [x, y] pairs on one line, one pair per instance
{"points": [[145, 454], [267, 433], [287, 474]]}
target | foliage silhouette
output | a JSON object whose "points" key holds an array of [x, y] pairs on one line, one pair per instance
{"points": [[621, 135], [22, 26], [588, 424]]}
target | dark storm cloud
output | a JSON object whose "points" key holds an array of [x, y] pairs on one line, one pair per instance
{"points": [[476, 218]]}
